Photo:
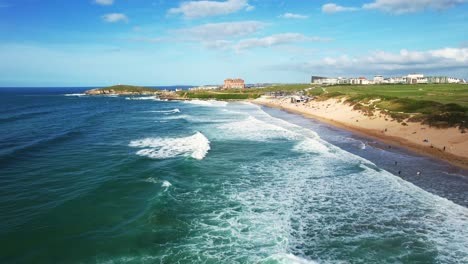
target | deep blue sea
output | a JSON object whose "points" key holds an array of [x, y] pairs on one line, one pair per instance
{"points": [[102, 179]]}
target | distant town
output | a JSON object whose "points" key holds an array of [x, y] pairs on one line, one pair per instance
{"points": [[413, 78]]}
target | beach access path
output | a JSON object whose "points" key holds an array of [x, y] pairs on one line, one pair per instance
{"points": [[448, 144]]}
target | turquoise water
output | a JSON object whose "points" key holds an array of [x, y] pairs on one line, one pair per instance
{"points": [[136, 180]]}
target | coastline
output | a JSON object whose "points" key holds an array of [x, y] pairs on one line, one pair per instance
{"points": [[411, 137]]}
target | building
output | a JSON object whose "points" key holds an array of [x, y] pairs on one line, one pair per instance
{"points": [[234, 84], [416, 78], [324, 80], [396, 80], [378, 79], [317, 79], [359, 81]]}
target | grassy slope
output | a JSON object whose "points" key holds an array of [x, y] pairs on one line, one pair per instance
{"points": [[440, 105], [442, 93], [129, 88], [238, 94]]}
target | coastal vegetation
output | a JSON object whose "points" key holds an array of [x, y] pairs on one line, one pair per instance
{"points": [[438, 105], [218, 95], [124, 89], [240, 94]]}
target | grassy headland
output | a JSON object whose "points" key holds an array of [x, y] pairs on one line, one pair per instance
{"points": [[124, 89], [240, 94], [438, 105]]}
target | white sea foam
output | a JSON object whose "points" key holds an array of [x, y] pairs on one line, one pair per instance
{"points": [[362, 145], [196, 146], [287, 259], [75, 94], [173, 111], [211, 103], [151, 180], [253, 129], [166, 184], [154, 98], [311, 146]]}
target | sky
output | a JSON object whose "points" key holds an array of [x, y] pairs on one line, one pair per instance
{"points": [[172, 42]]}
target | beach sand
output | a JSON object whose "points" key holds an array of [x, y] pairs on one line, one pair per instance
{"points": [[447, 144]]}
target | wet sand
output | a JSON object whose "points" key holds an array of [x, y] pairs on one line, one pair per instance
{"points": [[446, 144]]}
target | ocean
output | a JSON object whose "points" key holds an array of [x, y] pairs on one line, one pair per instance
{"points": [[135, 180]]}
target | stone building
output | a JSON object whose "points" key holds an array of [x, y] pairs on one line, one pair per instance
{"points": [[234, 84]]}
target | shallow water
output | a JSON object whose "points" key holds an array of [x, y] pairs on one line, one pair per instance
{"points": [[109, 180]]}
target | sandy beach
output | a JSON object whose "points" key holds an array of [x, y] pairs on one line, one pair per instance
{"points": [[448, 144]]}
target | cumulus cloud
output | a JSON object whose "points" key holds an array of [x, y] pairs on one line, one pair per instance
{"points": [[334, 8], [413, 6], [219, 44], [115, 17], [294, 16], [401, 63], [274, 40], [214, 31], [198, 9], [265, 42], [104, 2]]}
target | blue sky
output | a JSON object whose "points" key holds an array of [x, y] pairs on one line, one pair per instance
{"points": [[170, 42]]}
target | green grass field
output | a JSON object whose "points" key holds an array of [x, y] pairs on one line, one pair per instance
{"points": [[240, 94], [442, 93]]}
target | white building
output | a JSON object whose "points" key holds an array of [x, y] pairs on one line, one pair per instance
{"points": [[416, 78], [378, 79], [454, 80]]}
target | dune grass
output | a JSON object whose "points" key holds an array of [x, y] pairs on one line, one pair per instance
{"points": [[438, 105]]}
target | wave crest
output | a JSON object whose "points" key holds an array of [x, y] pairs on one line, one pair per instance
{"points": [[154, 98], [196, 146], [173, 111], [212, 103]]}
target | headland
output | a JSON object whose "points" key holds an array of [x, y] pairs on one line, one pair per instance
{"points": [[430, 119]]}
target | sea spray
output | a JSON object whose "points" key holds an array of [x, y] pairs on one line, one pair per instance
{"points": [[195, 146]]}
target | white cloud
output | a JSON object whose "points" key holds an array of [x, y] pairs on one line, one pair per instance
{"points": [[446, 60], [151, 40], [104, 2], [218, 44], [405, 6], [115, 17], [333, 8], [216, 31], [294, 16], [197, 9], [265, 42]]}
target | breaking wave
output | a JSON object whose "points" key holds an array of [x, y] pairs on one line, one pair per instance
{"points": [[75, 94], [173, 111], [211, 103], [252, 128], [196, 146], [154, 98]]}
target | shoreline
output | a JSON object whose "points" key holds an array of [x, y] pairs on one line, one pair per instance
{"points": [[411, 137]]}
